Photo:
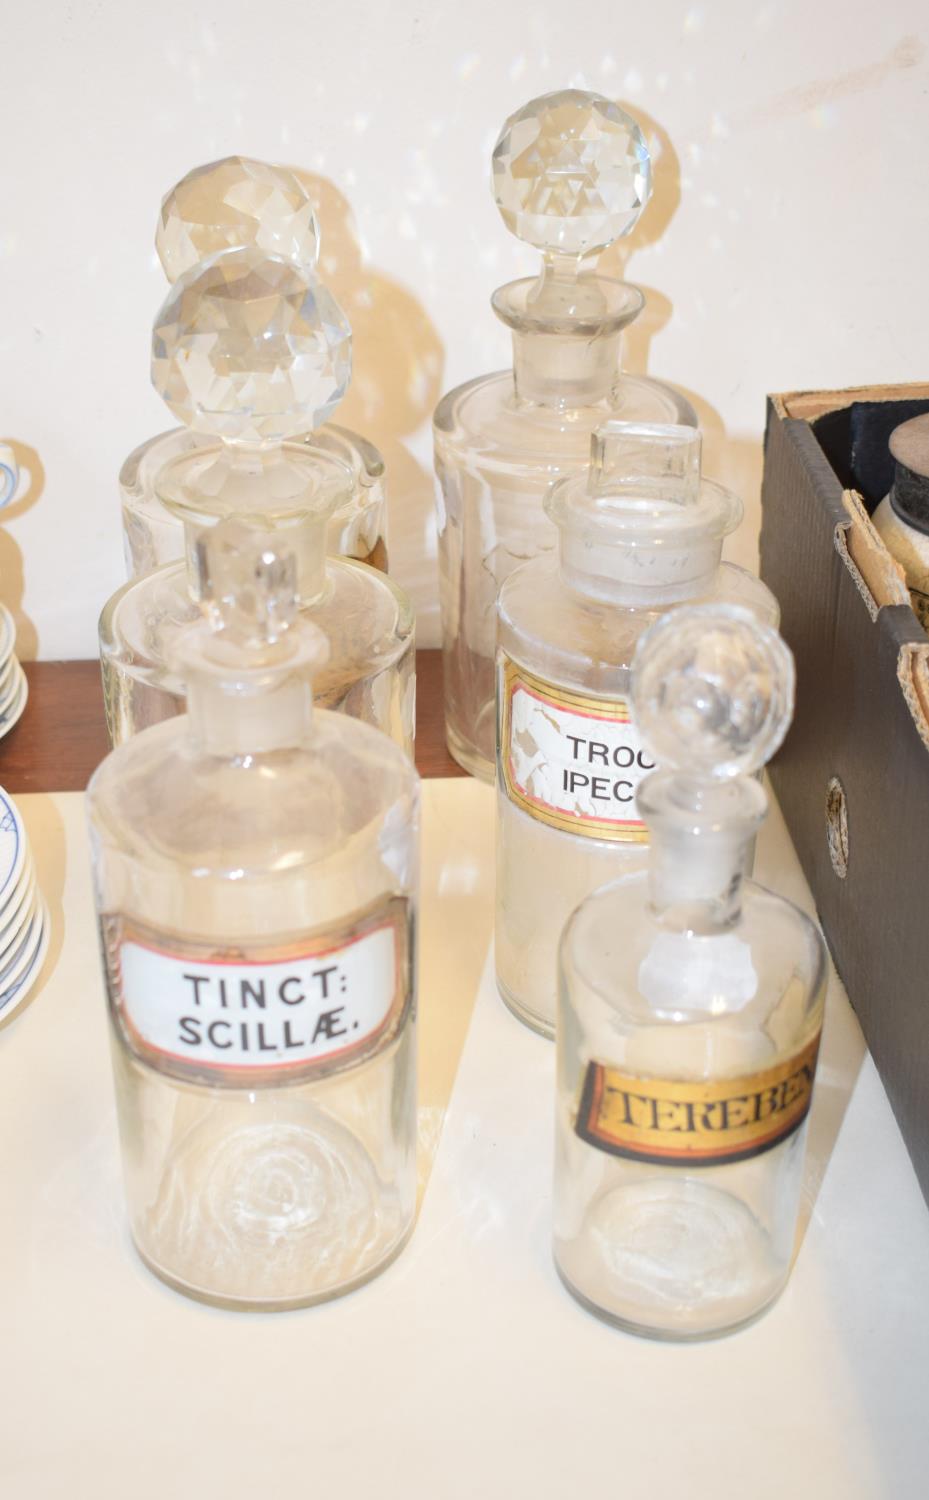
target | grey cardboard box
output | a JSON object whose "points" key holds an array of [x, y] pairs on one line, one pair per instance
{"points": [[853, 776]]}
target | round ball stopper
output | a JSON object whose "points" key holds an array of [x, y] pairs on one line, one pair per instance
{"points": [[571, 172], [251, 348], [713, 690], [232, 203]]}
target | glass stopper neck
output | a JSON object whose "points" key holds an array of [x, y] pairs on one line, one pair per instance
{"points": [[566, 331], [252, 712], [701, 838]]}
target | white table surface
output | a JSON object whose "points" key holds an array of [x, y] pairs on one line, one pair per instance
{"points": [[465, 1370]]}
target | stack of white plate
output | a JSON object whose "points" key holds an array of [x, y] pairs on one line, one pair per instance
{"points": [[24, 920], [14, 690]]}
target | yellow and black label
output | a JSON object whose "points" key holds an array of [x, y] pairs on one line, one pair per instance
{"points": [[693, 1123]]}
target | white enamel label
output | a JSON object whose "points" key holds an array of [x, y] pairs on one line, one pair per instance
{"points": [[573, 761], [278, 1013]]}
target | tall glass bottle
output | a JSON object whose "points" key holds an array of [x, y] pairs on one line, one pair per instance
{"points": [[255, 866], [690, 1010], [227, 205], [249, 350], [640, 532], [571, 174]]}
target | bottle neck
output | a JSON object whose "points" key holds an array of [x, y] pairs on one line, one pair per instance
{"points": [[698, 888], [637, 577], [252, 713], [701, 842], [567, 330], [562, 371]]}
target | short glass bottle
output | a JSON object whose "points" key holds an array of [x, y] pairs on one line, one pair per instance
{"points": [[367, 620], [902, 518], [640, 533], [690, 1010], [225, 205], [255, 868], [571, 174]]}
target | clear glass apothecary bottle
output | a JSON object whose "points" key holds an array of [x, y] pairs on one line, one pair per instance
{"points": [[231, 204], [571, 174], [252, 349], [690, 1011], [255, 867], [640, 532], [367, 619]]}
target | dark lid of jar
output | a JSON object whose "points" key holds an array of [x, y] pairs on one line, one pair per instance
{"points": [[909, 447]]}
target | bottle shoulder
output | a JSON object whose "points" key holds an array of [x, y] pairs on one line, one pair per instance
{"points": [[736, 585], [156, 536], [367, 619], [159, 800], [484, 418], [139, 470], [587, 642], [734, 999], [569, 639]]}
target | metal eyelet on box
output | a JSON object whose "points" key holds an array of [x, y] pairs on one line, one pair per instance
{"points": [[837, 826]]}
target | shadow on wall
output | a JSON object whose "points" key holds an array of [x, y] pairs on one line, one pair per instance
{"points": [[398, 362], [12, 580], [734, 462]]}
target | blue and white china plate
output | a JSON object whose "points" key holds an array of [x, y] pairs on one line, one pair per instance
{"points": [[7, 634], [15, 899], [12, 847], [14, 712], [11, 690], [21, 955], [26, 898], [8, 676], [17, 986]]}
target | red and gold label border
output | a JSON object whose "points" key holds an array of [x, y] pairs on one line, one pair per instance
{"points": [[610, 711], [670, 1122], [117, 928]]}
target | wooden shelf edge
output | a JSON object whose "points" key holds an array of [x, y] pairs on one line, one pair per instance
{"points": [[61, 738]]}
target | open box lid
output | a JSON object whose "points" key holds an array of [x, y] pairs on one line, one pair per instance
{"points": [[853, 777], [852, 428]]}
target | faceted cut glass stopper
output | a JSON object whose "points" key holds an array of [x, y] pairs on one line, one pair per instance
{"points": [[251, 348], [233, 203], [713, 691], [571, 172]]}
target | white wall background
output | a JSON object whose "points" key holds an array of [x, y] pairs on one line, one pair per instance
{"points": [[786, 247]]}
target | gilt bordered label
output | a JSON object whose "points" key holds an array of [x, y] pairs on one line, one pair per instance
{"points": [[693, 1124], [569, 759], [315, 1004]]}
